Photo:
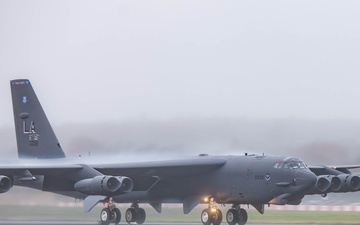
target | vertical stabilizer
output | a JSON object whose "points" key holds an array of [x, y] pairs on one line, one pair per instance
{"points": [[34, 134]]}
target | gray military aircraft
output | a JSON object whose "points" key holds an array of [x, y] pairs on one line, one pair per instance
{"points": [[236, 180]]}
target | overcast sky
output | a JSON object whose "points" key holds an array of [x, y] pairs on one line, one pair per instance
{"points": [[118, 60]]}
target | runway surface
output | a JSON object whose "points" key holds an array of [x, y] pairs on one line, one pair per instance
{"points": [[7, 222]]}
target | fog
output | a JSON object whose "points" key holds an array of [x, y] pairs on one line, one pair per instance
{"points": [[330, 142], [95, 61]]}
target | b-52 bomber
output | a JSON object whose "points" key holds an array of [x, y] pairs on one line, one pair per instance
{"points": [[210, 180]]}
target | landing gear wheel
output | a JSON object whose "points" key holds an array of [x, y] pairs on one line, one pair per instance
{"points": [[243, 217], [130, 215], [116, 215], [217, 217], [232, 216], [140, 216], [211, 216], [206, 217], [105, 216]]}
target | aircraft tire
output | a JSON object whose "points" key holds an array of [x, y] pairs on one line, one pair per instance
{"points": [[232, 216], [130, 215], [105, 216], [140, 216], [217, 217], [243, 217], [116, 216], [206, 217]]}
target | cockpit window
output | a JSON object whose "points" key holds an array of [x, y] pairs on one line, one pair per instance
{"points": [[297, 165], [290, 163], [278, 165]]}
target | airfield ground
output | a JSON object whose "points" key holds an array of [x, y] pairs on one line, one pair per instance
{"points": [[175, 215]]}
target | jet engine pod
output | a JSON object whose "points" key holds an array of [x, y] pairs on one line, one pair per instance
{"points": [[5, 184], [104, 185], [126, 184], [353, 182], [323, 183], [338, 182]]}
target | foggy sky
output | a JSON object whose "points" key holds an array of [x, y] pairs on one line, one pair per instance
{"points": [[94, 62], [118, 60]]}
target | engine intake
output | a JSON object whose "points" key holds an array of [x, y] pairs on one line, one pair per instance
{"points": [[323, 183], [126, 184], [5, 184], [338, 182], [353, 182], [104, 185]]}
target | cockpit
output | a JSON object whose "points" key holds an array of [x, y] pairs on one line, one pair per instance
{"points": [[290, 163]]}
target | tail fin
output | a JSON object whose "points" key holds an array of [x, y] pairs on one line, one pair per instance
{"points": [[35, 137]]}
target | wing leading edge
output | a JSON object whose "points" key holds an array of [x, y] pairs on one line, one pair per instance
{"points": [[185, 167], [181, 167]]}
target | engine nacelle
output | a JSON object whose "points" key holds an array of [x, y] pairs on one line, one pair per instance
{"points": [[5, 184], [338, 182], [353, 182], [104, 185], [323, 183], [345, 183]]}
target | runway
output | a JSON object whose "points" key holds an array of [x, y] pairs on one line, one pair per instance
{"points": [[7, 222]]}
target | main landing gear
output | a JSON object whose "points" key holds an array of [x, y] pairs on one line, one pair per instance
{"points": [[134, 214], [111, 214], [236, 215], [213, 215]]}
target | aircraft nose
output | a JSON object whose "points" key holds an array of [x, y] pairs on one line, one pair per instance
{"points": [[305, 179]]}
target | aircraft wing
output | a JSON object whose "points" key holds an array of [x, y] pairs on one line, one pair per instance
{"points": [[38, 169], [181, 167], [332, 170]]}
